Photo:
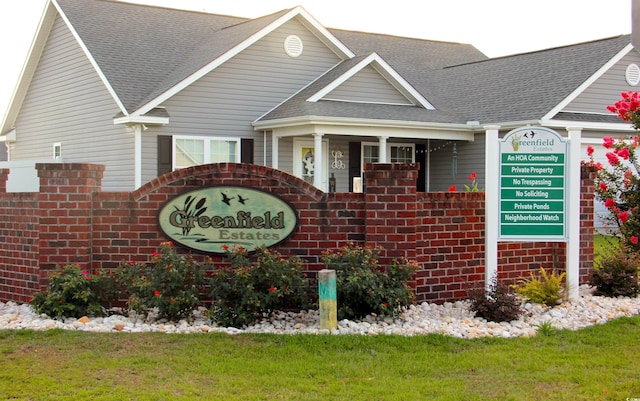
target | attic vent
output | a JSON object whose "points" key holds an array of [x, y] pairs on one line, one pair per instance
{"points": [[293, 46], [632, 74]]}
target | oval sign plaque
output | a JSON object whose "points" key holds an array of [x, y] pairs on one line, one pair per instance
{"points": [[213, 219]]}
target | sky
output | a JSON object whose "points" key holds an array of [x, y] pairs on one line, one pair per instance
{"points": [[495, 27]]}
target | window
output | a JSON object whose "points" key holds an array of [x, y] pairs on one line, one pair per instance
{"points": [[397, 152], [57, 151], [192, 151]]}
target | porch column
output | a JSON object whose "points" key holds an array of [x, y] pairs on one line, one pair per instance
{"points": [[137, 158], [382, 145], [274, 150], [318, 167]]}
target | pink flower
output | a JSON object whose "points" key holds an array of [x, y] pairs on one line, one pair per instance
{"points": [[452, 188], [590, 150], [623, 216], [624, 153], [610, 203], [607, 142], [86, 274], [634, 240], [628, 174], [603, 186], [613, 159]]}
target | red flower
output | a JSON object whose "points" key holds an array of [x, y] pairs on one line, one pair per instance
{"points": [[156, 293], [607, 142], [624, 153], [613, 159], [154, 254], [623, 216], [610, 203], [452, 188], [634, 240], [603, 186], [472, 177], [272, 288], [225, 248], [590, 150]]}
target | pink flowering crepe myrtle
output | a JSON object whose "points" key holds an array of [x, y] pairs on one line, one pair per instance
{"points": [[618, 186]]}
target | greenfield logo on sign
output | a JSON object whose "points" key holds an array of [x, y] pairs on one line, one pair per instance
{"points": [[533, 182], [211, 219]]}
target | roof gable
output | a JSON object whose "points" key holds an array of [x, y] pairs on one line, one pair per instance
{"points": [[385, 72], [618, 86], [148, 54]]}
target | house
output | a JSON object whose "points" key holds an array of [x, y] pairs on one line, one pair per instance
{"points": [[144, 90]]}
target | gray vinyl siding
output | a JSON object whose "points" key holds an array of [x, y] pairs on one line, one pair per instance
{"points": [[470, 159], [68, 103], [367, 86], [606, 89], [341, 175], [227, 100]]}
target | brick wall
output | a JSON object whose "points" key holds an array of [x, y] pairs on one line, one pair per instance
{"points": [[19, 247], [72, 221]]}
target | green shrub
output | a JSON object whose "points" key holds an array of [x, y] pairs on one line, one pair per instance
{"points": [[546, 289], [171, 283], [363, 287], [73, 292], [616, 274], [243, 293], [497, 304]]}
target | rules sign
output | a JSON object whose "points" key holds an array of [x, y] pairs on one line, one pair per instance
{"points": [[533, 185]]}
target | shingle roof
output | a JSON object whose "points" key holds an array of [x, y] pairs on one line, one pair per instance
{"points": [[525, 86], [140, 48], [143, 51]]}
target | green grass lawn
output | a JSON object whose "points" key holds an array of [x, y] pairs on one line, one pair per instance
{"points": [[600, 245], [598, 363]]}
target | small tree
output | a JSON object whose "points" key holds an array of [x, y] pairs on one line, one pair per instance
{"points": [[618, 186]]}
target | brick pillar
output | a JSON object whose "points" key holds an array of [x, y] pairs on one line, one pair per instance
{"points": [[587, 209], [65, 210], [4, 176], [390, 209]]}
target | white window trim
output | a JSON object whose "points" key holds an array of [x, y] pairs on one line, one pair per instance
{"points": [[57, 155], [389, 146], [207, 147]]}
